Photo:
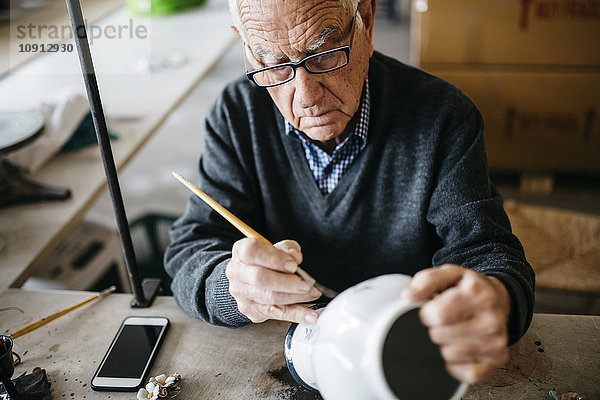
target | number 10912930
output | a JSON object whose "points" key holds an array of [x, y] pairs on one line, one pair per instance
{"points": [[46, 48]]}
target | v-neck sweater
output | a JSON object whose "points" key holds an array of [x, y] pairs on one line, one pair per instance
{"points": [[417, 196]]}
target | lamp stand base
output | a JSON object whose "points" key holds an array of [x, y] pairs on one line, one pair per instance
{"points": [[152, 287]]}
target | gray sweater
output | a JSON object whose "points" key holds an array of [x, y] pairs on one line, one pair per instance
{"points": [[417, 196]]}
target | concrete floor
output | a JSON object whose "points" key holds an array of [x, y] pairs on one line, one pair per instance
{"points": [[147, 184]]}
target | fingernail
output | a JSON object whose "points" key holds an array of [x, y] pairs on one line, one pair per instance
{"points": [[304, 286], [310, 318], [315, 292], [290, 266]]}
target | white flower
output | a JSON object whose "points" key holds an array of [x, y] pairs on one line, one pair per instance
{"points": [[163, 380], [148, 393]]}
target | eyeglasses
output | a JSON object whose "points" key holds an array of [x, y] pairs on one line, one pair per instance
{"points": [[319, 63]]}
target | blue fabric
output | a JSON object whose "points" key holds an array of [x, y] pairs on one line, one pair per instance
{"points": [[329, 169]]}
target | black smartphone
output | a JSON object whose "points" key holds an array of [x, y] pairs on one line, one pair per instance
{"points": [[127, 362]]}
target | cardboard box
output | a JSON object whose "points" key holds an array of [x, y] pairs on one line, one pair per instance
{"points": [[558, 32], [536, 121]]}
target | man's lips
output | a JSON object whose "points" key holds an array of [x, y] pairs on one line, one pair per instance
{"points": [[317, 115], [318, 119]]}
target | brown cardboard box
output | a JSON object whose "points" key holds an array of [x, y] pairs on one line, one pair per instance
{"points": [[558, 32], [536, 121]]}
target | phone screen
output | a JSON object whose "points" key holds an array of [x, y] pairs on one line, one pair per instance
{"points": [[131, 351]]}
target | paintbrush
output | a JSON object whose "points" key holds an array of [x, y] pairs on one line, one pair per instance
{"points": [[37, 324], [249, 232]]}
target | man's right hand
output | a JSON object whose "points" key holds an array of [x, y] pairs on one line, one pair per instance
{"points": [[262, 281]]}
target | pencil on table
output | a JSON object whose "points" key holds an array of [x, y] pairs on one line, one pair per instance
{"points": [[37, 324]]}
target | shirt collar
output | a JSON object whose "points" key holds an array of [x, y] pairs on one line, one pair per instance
{"points": [[361, 127]]}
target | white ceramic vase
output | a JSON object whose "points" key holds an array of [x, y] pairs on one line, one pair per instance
{"points": [[368, 343]]}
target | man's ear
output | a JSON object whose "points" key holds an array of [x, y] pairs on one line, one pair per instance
{"points": [[367, 12]]}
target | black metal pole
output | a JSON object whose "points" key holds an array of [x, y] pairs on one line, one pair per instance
{"points": [[141, 299]]}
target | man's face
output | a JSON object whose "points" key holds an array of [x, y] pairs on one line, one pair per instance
{"points": [[320, 105]]}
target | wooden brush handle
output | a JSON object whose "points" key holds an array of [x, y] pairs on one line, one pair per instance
{"points": [[37, 324], [235, 221]]}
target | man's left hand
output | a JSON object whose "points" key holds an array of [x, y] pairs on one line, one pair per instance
{"points": [[467, 315]]}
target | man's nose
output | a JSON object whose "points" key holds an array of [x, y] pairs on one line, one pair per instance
{"points": [[309, 89]]}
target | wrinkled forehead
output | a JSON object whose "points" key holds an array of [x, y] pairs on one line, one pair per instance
{"points": [[288, 28]]}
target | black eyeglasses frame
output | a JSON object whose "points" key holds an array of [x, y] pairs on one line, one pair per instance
{"points": [[302, 63]]}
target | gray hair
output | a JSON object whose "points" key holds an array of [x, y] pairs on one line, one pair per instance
{"points": [[234, 9]]}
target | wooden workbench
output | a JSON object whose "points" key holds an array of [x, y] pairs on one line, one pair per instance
{"points": [[136, 104], [559, 352]]}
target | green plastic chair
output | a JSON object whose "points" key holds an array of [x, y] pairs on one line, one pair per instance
{"points": [[150, 237]]}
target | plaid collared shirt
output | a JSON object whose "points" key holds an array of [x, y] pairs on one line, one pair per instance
{"points": [[328, 169]]}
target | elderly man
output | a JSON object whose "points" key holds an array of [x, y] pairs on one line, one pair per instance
{"points": [[357, 165]]}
